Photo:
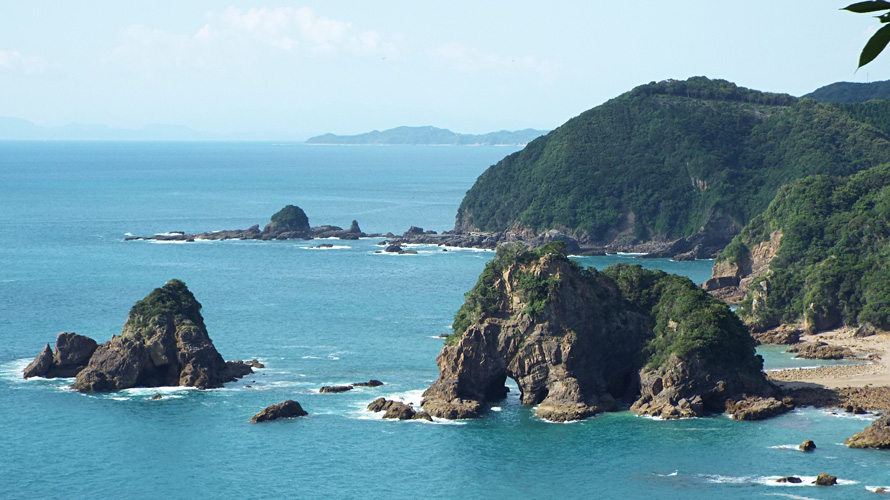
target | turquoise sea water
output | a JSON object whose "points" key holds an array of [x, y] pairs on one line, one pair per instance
{"points": [[315, 317]]}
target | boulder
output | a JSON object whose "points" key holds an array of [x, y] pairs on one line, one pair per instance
{"points": [[253, 363], [414, 230], [353, 228], [285, 409], [289, 222], [877, 435], [865, 330], [335, 388], [807, 445], [163, 343], [782, 335], [824, 479], [394, 248], [41, 363], [157, 396], [379, 404], [399, 411]]}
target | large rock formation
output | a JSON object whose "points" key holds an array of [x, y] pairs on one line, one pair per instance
{"points": [[877, 435], [72, 353], [163, 343], [575, 341]]}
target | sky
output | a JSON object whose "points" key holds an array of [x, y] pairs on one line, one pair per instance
{"points": [[290, 70]]}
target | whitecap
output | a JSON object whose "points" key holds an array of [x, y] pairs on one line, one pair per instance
{"points": [[672, 474], [496, 408]]}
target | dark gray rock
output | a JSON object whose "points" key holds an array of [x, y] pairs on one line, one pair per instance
{"points": [[285, 409], [807, 445], [789, 479], [335, 388], [877, 435], [370, 383], [41, 364]]}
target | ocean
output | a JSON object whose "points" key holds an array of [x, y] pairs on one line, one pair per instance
{"points": [[318, 317]]}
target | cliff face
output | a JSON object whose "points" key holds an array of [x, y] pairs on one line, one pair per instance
{"points": [[163, 343], [731, 279], [575, 341]]}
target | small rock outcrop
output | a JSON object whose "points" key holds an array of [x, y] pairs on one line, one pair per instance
{"points": [[824, 479], [576, 341], [285, 409], [370, 383], [758, 408], [821, 350], [877, 435], [335, 388], [397, 410], [807, 445], [163, 343], [72, 353]]}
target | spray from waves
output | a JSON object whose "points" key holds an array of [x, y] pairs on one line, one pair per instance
{"points": [[768, 480]]}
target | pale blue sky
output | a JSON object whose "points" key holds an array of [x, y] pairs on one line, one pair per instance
{"points": [[295, 69]]}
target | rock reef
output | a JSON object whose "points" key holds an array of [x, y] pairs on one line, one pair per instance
{"points": [[288, 223], [163, 343], [577, 341]]}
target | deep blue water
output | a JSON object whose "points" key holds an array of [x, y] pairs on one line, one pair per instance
{"points": [[315, 317]]}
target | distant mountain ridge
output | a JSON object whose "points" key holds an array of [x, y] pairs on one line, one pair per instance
{"points": [[845, 92], [430, 136]]}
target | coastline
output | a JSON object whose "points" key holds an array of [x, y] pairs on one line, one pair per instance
{"points": [[866, 385]]}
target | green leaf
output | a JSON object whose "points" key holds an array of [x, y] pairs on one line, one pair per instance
{"points": [[874, 46], [863, 7]]}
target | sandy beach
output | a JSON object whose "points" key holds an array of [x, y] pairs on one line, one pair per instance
{"points": [[866, 385]]}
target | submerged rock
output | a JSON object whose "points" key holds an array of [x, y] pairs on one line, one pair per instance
{"points": [[789, 479], [877, 435], [577, 340], [163, 343], [285, 409]]}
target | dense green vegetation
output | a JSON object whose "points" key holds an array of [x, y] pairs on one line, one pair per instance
{"points": [[849, 92], [173, 301], [833, 264], [484, 298], [664, 159], [290, 218], [685, 321]]}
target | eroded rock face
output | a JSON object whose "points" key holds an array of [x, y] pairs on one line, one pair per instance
{"points": [[877, 435], [72, 354], [731, 281], [575, 341], [163, 343]]}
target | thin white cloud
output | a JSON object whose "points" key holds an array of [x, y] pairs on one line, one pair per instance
{"points": [[234, 37], [12, 61], [472, 60]]}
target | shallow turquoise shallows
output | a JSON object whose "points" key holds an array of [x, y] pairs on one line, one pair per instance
{"points": [[316, 317]]}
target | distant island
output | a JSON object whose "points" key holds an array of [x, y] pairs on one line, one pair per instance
{"points": [[430, 136]]}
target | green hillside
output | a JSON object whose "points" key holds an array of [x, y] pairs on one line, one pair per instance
{"points": [[851, 92], [668, 160], [833, 263]]}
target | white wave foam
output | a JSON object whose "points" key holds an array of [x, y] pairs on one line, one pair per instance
{"points": [[672, 474], [768, 480], [791, 447], [128, 234], [875, 489]]}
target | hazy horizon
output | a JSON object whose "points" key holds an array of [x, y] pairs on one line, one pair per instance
{"points": [[277, 70]]}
